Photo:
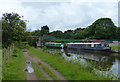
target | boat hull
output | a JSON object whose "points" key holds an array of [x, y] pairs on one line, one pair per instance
{"points": [[96, 49], [54, 47]]}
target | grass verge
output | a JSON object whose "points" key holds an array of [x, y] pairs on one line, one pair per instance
{"points": [[13, 70], [71, 71], [115, 47], [47, 70], [38, 72]]}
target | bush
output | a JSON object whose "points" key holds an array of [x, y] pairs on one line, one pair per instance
{"points": [[18, 44], [44, 48], [22, 45], [27, 46]]}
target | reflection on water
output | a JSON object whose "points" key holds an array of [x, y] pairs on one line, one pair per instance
{"points": [[104, 59], [104, 62]]}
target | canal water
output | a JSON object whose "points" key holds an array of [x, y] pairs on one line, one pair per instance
{"points": [[103, 63]]}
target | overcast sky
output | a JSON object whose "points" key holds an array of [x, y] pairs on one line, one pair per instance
{"points": [[61, 15]]}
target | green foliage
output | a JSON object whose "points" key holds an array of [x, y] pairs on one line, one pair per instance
{"points": [[12, 28], [57, 34], [103, 28], [22, 45], [13, 70], [44, 48], [118, 33], [18, 44], [27, 46], [36, 33], [28, 38], [44, 30], [81, 34], [68, 34], [99, 33], [77, 29]]}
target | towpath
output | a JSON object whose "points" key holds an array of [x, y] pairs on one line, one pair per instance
{"points": [[36, 60], [30, 76]]}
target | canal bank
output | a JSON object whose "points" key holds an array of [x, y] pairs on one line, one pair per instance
{"points": [[115, 49], [70, 70], [105, 63], [115, 46]]}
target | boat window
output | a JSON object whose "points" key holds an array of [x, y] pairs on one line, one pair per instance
{"points": [[96, 45], [86, 45], [81, 45], [89, 45], [102, 45], [92, 45]]}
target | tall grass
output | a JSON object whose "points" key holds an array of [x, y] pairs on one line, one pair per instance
{"points": [[71, 71], [115, 47], [13, 70]]}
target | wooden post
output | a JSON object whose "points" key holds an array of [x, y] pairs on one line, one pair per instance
{"points": [[5, 55], [8, 53], [11, 49]]}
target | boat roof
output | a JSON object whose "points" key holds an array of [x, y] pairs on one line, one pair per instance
{"points": [[52, 43], [85, 43]]}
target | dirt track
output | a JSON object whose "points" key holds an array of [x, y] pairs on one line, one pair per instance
{"points": [[30, 76], [33, 76]]}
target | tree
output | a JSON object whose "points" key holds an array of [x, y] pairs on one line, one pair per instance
{"points": [[44, 30], [68, 34], [81, 34], [12, 28], [103, 28], [28, 38], [78, 29], [57, 34], [99, 33], [36, 33], [118, 33]]}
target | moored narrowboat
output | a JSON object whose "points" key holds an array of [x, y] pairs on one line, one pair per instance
{"points": [[54, 45], [87, 45]]}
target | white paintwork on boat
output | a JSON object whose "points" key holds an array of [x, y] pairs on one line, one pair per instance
{"points": [[84, 43]]}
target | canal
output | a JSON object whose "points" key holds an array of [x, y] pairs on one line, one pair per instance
{"points": [[103, 63]]}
